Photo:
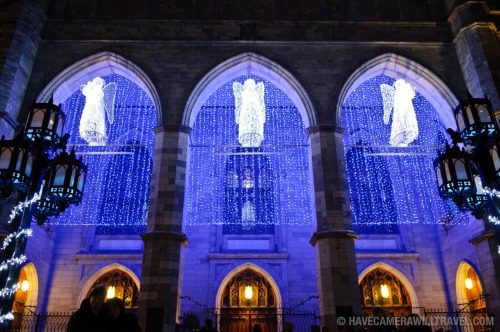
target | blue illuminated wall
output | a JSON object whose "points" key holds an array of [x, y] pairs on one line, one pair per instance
{"points": [[116, 194], [389, 185], [279, 167]]}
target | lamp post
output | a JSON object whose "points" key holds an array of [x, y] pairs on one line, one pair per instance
{"points": [[472, 164], [47, 180]]}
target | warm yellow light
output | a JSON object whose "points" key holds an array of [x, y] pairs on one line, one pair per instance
{"points": [[111, 292], [248, 292], [25, 285], [385, 291], [468, 283]]}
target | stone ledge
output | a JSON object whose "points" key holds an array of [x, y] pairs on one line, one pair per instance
{"points": [[485, 235], [386, 255], [108, 255], [332, 234], [247, 256]]}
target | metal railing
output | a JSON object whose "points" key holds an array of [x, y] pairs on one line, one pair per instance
{"points": [[43, 322], [478, 320], [243, 320]]}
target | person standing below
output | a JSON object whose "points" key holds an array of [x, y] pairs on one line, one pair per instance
{"points": [[91, 316], [208, 327], [118, 319]]}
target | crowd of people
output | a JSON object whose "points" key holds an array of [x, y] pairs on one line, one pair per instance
{"points": [[97, 315]]}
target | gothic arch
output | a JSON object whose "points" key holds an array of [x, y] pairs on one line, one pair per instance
{"points": [[249, 63], [399, 67], [398, 274], [32, 276], [108, 268], [101, 64], [241, 268], [462, 271]]}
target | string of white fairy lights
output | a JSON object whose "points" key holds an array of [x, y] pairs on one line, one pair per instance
{"points": [[14, 261], [492, 218]]}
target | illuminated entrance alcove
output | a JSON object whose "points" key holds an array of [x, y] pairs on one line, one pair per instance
{"points": [[119, 282], [470, 295], [248, 297], [25, 298], [381, 288]]}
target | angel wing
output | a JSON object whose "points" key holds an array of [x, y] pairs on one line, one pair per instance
{"points": [[237, 90], [109, 100], [388, 100], [260, 91]]}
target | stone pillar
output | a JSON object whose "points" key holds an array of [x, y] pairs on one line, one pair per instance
{"points": [[478, 45], [21, 29], [336, 267], [488, 258], [159, 301]]}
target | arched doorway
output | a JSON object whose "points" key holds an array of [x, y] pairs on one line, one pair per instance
{"points": [[381, 288], [121, 285], [26, 295], [248, 299], [469, 289]]}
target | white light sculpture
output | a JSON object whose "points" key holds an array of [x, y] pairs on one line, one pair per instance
{"points": [[99, 99], [250, 112], [399, 97]]}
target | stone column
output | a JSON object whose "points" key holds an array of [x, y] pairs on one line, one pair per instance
{"points": [[336, 267], [488, 259], [159, 301], [478, 45], [21, 28]]}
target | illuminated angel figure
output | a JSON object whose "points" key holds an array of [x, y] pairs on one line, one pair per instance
{"points": [[399, 97], [99, 99], [250, 112]]}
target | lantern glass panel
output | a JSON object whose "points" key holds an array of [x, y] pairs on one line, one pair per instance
{"points": [[73, 178], [470, 115], [447, 171], [5, 158], [29, 165], [51, 123], [81, 181], [60, 126], [37, 120], [460, 169], [460, 122], [479, 185], [439, 176], [484, 115], [19, 162], [60, 175], [495, 157]]}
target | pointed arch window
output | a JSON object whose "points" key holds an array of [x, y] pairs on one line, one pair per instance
{"points": [[380, 288], [248, 289], [125, 287]]}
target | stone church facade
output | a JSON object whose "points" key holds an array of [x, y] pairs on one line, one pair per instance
{"points": [[317, 57]]}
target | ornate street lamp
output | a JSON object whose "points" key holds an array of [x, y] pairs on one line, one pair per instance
{"points": [[462, 173], [36, 166]]}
